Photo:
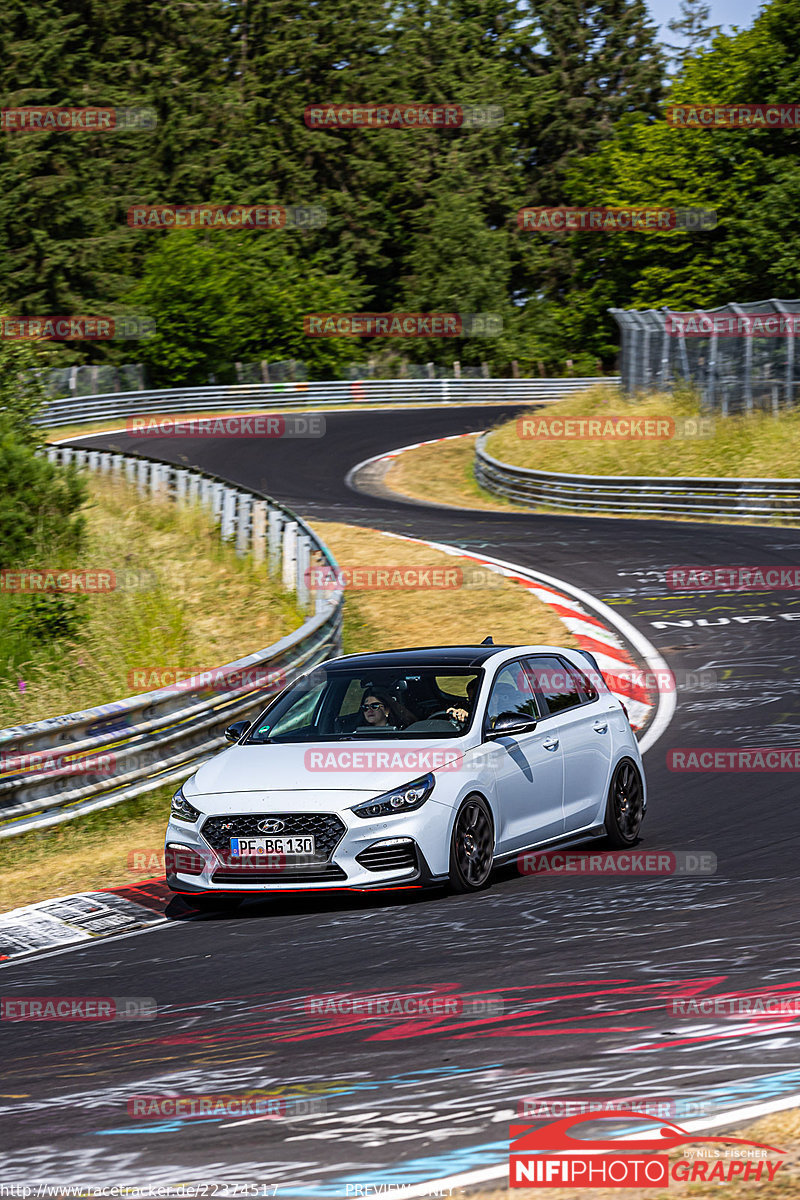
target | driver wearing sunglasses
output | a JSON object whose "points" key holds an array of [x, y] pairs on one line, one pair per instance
{"points": [[380, 707], [375, 708]]}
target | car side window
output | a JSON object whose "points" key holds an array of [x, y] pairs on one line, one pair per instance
{"points": [[559, 684], [587, 689], [511, 694]]}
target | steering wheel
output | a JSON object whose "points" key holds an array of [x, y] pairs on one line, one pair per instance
{"points": [[445, 716]]}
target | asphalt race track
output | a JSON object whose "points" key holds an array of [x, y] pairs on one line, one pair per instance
{"points": [[586, 967]]}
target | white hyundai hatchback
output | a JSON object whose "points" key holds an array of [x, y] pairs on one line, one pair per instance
{"points": [[409, 768]]}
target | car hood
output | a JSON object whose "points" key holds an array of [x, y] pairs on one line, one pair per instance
{"points": [[354, 766]]}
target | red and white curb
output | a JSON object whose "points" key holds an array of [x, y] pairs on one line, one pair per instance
{"points": [[451, 437], [70, 922], [643, 687]]}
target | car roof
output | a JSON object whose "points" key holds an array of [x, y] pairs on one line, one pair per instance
{"points": [[419, 656]]}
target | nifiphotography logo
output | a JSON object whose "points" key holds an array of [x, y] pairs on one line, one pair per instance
{"points": [[550, 1156]]}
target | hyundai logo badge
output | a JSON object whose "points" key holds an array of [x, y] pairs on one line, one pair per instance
{"points": [[270, 826]]}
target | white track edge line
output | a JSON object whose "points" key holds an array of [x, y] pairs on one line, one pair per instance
{"points": [[667, 702]]}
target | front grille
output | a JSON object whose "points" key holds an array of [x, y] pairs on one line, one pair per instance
{"points": [[395, 855], [314, 873], [327, 828]]}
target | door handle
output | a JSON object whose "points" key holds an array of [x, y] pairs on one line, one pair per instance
{"points": [[550, 743], [600, 726]]}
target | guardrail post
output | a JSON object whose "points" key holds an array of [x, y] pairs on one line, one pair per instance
{"points": [[289, 557], [217, 498], [158, 481], [206, 492], [244, 512], [52, 454], [143, 473], [93, 460], [303, 569], [227, 513], [274, 526], [258, 540], [195, 486], [181, 485], [105, 462], [321, 597], [789, 343]]}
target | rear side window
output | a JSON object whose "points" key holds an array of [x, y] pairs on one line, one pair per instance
{"points": [[588, 690], [560, 685]]}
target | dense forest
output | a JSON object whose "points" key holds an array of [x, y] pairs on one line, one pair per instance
{"points": [[417, 220]]}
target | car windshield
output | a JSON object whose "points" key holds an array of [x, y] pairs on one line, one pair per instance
{"points": [[337, 705]]}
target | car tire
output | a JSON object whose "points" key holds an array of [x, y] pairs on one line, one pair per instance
{"points": [[625, 805], [212, 903], [471, 846]]}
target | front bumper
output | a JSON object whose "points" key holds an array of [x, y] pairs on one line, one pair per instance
{"points": [[352, 854]]}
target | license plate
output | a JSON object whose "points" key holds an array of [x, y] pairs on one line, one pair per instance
{"points": [[247, 847]]}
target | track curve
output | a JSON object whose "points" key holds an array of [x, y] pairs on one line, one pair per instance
{"points": [[586, 967]]}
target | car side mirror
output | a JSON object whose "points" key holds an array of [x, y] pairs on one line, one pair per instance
{"points": [[511, 725], [236, 731]]}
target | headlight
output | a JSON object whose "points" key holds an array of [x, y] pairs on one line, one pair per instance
{"points": [[182, 809], [403, 799]]}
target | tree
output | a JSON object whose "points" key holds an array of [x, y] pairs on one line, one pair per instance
{"points": [[39, 502], [456, 263], [693, 29], [749, 176], [222, 297]]}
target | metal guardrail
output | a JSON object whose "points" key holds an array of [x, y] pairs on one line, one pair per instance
{"points": [[742, 499], [71, 410], [65, 766], [159, 737]]}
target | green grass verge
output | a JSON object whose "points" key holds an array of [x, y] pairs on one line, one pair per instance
{"points": [[184, 602], [757, 445]]}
